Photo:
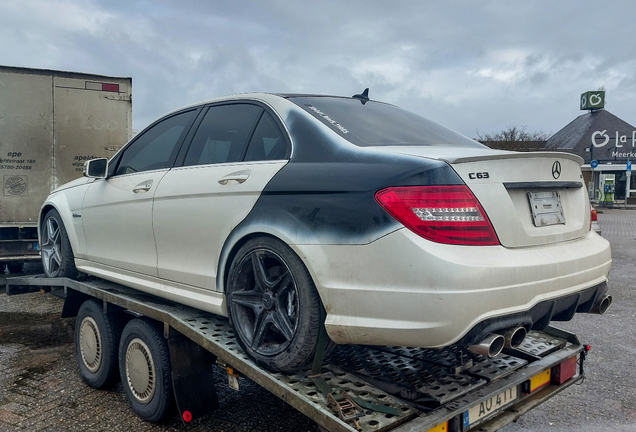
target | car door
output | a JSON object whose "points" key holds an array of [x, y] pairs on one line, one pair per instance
{"points": [[117, 212], [235, 152]]}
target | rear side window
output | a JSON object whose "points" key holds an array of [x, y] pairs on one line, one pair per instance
{"points": [[156, 147], [267, 143], [379, 124], [223, 134]]}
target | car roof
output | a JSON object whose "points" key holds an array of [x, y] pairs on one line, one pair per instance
{"points": [[258, 96]]}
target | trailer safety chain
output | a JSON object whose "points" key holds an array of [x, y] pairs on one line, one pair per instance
{"points": [[348, 408]]}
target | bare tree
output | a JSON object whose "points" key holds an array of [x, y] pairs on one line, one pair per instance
{"points": [[514, 138]]}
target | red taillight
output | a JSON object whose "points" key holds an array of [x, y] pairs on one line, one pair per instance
{"points": [[564, 371], [443, 214]]}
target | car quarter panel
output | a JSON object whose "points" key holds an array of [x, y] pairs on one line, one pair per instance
{"points": [[326, 194]]}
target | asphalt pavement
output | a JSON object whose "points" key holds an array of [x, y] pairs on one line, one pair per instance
{"points": [[40, 388], [606, 399]]}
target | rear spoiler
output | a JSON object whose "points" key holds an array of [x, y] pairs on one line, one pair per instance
{"points": [[515, 155]]}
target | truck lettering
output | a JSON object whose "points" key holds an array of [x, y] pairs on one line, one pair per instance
{"points": [[85, 158], [14, 154]]}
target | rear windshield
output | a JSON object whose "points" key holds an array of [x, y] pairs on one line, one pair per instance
{"points": [[379, 124]]}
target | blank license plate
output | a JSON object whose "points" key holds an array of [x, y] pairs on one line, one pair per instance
{"points": [[489, 406], [546, 208]]}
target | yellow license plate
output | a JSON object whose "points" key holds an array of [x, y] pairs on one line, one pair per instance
{"points": [[487, 407]]}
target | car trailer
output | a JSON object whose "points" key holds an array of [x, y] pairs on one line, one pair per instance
{"points": [[170, 350]]}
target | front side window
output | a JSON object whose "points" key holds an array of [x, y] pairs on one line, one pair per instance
{"points": [[155, 147], [223, 134], [379, 124]]}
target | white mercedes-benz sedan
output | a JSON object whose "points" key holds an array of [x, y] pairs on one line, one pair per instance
{"points": [[286, 211]]}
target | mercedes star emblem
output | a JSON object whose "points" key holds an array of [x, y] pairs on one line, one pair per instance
{"points": [[556, 169]]}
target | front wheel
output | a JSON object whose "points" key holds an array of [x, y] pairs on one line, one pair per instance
{"points": [[273, 305], [57, 255]]}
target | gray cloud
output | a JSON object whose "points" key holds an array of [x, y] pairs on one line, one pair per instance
{"points": [[469, 65]]}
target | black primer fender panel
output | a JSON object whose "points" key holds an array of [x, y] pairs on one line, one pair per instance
{"points": [[326, 194]]}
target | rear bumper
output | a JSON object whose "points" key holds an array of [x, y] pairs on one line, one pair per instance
{"points": [[404, 290]]}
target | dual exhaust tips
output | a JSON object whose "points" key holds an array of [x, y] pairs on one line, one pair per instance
{"points": [[494, 343]]}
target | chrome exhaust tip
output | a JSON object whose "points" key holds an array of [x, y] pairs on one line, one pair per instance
{"points": [[490, 346], [601, 307], [514, 337]]}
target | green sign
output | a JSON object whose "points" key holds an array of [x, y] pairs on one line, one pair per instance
{"points": [[593, 100]]}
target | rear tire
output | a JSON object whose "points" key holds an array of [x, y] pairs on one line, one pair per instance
{"points": [[57, 255], [96, 344], [144, 367], [273, 305]]}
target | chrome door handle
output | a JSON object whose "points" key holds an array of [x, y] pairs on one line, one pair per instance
{"points": [[142, 188], [239, 178]]}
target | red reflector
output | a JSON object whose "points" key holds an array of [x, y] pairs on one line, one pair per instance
{"points": [[564, 371], [187, 416], [443, 214], [110, 87], [594, 214]]}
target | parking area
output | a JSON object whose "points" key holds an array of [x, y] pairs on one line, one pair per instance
{"points": [[40, 388]]}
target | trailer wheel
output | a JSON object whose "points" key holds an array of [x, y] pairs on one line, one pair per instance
{"points": [[273, 305], [97, 343], [144, 366], [57, 255]]}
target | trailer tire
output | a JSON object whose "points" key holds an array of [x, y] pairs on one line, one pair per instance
{"points": [[273, 305], [97, 343], [57, 255], [144, 367]]}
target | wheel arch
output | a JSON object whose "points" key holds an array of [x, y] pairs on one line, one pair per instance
{"points": [[232, 246], [61, 205]]}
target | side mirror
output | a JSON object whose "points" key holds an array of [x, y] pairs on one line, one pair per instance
{"points": [[96, 168]]}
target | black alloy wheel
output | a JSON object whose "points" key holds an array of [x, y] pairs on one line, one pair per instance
{"points": [[273, 305]]}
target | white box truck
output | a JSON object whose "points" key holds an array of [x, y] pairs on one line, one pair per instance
{"points": [[51, 122]]}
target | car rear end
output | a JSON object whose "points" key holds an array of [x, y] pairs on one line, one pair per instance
{"points": [[512, 247], [504, 243]]}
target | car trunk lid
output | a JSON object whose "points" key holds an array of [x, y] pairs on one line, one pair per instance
{"points": [[531, 199]]}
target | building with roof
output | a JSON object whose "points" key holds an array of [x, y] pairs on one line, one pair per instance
{"points": [[606, 143]]}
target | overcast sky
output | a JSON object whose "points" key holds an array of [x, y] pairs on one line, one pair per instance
{"points": [[470, 65]]}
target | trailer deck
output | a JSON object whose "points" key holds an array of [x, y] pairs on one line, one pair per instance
{"points": [[450, 389]]}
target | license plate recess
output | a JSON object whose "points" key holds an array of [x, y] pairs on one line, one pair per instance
{"points": [[546, 208], [488, 407]]}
